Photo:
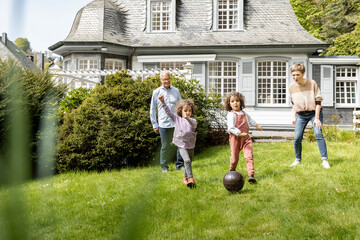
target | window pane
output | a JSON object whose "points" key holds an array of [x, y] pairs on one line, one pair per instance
{"points": [[346, 85], [222, 77], [172, 65], [160, 16], [272, 76], [228, 14]]}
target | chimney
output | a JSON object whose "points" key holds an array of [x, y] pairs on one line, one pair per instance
{"points": [[4, 38], [40, 61]]}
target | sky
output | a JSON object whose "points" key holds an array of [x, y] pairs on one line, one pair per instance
{"points": [[42, 22]]}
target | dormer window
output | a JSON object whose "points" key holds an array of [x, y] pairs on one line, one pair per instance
{"points": [[228, 15], [161, 15]]}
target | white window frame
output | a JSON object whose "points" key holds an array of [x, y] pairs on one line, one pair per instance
{"points": [[174, 65], [114, 60], [239, 15], [223, 77], [346, 79], [272, 77], [88, 64], [172, 17]]}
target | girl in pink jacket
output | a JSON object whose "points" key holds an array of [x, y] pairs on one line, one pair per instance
{"points": [[184, 134]]}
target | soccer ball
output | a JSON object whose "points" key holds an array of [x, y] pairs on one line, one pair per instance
{"points": [[233, 181]]}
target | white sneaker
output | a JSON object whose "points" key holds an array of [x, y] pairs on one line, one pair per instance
{"points": [[296, 162], [325, 164]]}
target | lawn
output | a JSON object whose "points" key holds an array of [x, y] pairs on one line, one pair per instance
{"points": [[287, 203]]}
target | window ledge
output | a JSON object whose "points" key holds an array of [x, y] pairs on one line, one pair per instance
{"points": [[160, 32], [346, 106], [228, 30]]}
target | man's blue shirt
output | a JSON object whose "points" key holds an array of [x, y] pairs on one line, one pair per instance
{"points": [[171, 97]]}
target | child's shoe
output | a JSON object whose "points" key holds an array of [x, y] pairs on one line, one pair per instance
{"points": [[251, 179], [191, 183], [185, 180], [325, 164], [296, 162]]}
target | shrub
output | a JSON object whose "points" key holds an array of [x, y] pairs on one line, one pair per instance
{"points": [[72, 100], [112, 128], [36, 89], [208, 114]]}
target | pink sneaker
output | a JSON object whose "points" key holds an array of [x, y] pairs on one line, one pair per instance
{"points": [[191, 183], [185, 180]]}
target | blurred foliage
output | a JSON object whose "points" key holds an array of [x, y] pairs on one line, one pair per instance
{"points": [[333, 21], [72, 100], [37, 89], [23, 44]]}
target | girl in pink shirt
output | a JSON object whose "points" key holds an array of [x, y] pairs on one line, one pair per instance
{"points": [[238, 127], [184, 134]]}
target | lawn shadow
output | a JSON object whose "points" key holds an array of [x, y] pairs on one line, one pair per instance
{"points": [[337, 161], [244, 190], [271, 174]]}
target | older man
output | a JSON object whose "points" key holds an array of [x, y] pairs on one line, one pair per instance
{"points": [[165, 126]]}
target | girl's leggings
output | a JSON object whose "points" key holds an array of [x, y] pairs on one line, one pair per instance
{"points": [[187, 155]]}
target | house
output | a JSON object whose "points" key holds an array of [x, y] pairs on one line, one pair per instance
{"points": [[9, 50], [242, 45]]}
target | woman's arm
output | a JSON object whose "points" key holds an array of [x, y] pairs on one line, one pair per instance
{"points": [[317, 121]]}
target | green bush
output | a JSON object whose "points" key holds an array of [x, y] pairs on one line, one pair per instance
{"points": [[333, 134], [72, 100], [36, 89], [209, 113], [112, 128]]}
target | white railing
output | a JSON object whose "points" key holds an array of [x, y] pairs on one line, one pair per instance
{"points": [[356, 120], [89, 78]]}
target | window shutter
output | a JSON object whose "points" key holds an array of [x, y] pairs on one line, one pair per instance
{"points": [[199, 69], [302, 61], [247, 81], [327, 85]]}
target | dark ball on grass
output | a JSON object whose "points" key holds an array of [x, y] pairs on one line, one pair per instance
{"points": [[233, 181]]}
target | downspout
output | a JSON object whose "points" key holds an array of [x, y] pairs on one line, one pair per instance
{"points": [[130, 59]]}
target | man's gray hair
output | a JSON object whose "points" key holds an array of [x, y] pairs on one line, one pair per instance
{"points": [[164, 72]]}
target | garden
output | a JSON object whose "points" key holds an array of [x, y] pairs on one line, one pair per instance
{"points": [[88, 170]]}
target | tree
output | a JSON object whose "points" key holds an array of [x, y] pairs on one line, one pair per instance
{"points": [[332, 21], [23, 44], [346, 44], [341, 18], [35, 91]]}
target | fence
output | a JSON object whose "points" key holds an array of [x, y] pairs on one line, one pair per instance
{"points": [[89, 78]]}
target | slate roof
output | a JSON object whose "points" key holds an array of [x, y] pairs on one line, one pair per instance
{"points": [[17, 54], [267, 22]]}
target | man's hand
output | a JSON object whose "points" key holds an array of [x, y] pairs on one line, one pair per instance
{"points": [[156, 130], [258, 127]]}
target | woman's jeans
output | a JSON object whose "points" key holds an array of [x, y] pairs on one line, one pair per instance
{"points": [[302, 120]]}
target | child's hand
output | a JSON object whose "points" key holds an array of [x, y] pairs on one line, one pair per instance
{"points": [[258, 127], [161, 98], [243, 134]]}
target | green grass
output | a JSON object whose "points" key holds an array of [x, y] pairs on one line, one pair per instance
{"points": [[287, 203]]}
